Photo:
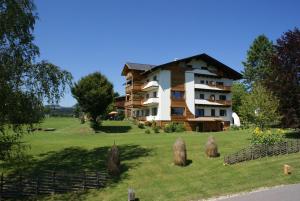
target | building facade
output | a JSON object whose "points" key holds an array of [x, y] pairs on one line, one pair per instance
{"points": [[195, 91]]}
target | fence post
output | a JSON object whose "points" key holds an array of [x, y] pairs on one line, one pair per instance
{"points": [[37, 186], [84, 180], [1, 186], [53, 182], [21, 185], [98, 182]]}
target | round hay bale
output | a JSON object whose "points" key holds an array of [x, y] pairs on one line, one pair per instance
{"points": [[113, 161], [211, 147], [179, 150]]}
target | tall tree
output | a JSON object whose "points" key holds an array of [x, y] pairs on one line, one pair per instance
{"points": [[260, 107], [284, 80], [24, 84], [94, 93], [239, 91], [258, 62]]}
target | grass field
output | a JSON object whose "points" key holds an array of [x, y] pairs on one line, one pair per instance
{"points": [[147, 162]]}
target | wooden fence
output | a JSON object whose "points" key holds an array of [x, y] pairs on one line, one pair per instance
{"points": [[49, 182], [260, 151]]}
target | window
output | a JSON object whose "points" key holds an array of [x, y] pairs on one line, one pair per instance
{"points": [[155, 94], [154, 111], [147, 112], [154, 78], [199, 112], [178, 111], [204, 68], [137, 113], [177, 95], [222, 97], [201, 81], [220, 83], [213, 112], [201, 96], [223, 113], [147, 96]]}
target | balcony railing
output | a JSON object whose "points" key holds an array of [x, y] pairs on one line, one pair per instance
{"points": [[133, 103], [213, 102], [149, 85], [220, 86], [133, 87], [150, 101]]}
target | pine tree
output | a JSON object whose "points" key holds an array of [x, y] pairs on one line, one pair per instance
{"points": [[257, 64]]}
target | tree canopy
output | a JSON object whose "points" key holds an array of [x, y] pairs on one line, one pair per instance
{"points": [[24, 83], [257, 64], [94, 93], [260, 107], [239, 91], [284, 80]]}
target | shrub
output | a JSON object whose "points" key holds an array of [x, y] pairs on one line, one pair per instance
{"points": [[269, 137], [147, 131], [156, 129], [141, 125], [148, 123], [179, 127], [211, 148], [169, 128], [234, 128], [179, 151], [113, 161], [174, 127]]}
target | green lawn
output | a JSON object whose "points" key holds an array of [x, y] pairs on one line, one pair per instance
{"points": [[147, 162]]}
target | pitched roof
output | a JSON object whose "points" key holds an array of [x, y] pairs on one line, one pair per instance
{"points": [[142, 67], [150, 68]]}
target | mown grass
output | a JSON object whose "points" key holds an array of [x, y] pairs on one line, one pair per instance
{"points": [[147, 162]]}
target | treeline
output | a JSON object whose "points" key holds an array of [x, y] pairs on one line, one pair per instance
{"points": [[59, 111], [270, 91]]}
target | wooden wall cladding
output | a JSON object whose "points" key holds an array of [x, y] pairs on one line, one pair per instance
{"points": [[178, 84]]}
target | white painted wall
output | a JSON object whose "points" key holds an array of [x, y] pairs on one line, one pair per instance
{"points": [[227, 82], [164, 94], [190, 91], [207, 111], [208, 94]]}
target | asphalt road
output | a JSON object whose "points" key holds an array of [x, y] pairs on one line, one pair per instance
{"points": [[280, 193]]}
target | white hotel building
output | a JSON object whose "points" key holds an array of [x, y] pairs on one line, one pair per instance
{"points": [[195, 91]]}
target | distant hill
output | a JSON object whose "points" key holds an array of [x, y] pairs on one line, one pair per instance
{"points": [[57, 110]]}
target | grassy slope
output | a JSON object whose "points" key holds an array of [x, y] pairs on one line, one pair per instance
{"points": [[148, 166]]}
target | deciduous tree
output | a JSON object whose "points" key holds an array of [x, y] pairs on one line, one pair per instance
{"points": [[284, 80], [94, 93], [260, 108], [24, 84], [239, 91]]}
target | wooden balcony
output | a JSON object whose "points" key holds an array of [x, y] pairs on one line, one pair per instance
{"points": [[223, 102], [133, 103], [219, 86], [135, 87]]}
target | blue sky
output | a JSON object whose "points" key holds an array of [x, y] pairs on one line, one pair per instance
{"points": [[84, 36]]}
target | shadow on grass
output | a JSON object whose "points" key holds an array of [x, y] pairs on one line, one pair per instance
{"points": [[114, 129], [76, 160], [293, 135]]}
